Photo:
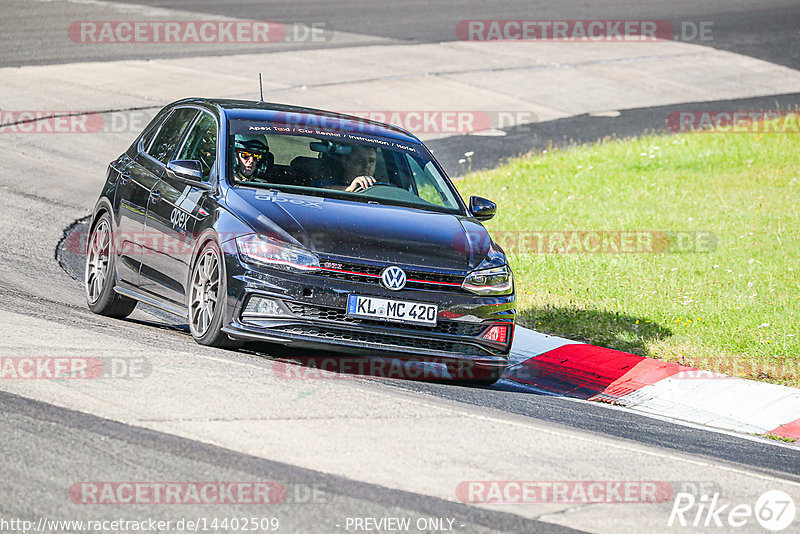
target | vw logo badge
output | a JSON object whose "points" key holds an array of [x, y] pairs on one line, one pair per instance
{"points": [[393, 278]]}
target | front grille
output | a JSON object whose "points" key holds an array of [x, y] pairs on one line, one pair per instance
{"points": [[384, 340], [454, 328], [358, 272]]}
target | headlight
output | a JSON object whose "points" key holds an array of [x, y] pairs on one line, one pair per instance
{"points": [[494, 281], [272, 253]]}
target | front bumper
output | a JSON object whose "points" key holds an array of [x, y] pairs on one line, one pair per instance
{"points": [[315, 317]]}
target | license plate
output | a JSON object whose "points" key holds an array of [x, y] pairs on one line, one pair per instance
{"points": [[392, 310]]}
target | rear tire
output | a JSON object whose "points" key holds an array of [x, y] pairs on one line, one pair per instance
{"points": [[100, 273], [207, 299]]}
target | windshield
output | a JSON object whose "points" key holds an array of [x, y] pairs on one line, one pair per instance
{"points": [[340, 164]]}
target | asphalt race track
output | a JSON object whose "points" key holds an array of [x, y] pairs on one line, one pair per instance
{"points": [[760, 29], [764, 30], [344, 447]]}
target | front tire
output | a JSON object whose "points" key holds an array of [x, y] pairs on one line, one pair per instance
{"points": [[100, 273], [207, 299]]}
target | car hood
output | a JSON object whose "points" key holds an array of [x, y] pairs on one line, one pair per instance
{"points": [[360, 231]]}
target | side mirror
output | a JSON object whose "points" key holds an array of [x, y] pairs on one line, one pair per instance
{"points": [[188, 171], [481, 208]]}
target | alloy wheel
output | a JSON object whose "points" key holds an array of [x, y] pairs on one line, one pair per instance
{"points": [[98, 253], [204, 292]]}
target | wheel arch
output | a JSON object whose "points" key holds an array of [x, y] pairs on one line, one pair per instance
{"points": [[203, 239], [103, 206], [207, 236]]}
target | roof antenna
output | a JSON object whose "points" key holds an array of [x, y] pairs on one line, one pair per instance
{"points": [[260, 87]]}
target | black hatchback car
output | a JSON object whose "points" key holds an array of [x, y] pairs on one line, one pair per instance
{"points": [[264, 222]]}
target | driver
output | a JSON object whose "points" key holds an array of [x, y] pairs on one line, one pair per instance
{"points": [[249, 153], [359, 168]]}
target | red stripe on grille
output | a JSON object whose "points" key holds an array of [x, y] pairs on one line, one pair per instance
{"points": [[378, 276], [351, 272], [437, 283]]}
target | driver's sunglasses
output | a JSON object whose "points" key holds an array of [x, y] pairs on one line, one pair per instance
{"points": [[248, 155]]}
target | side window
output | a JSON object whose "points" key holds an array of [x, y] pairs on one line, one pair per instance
{"points": [[151, 130], [201, 144], [168, 138], [427, 186]]}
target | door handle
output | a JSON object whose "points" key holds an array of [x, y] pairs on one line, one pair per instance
{"points": [[155, 196], [124, 177]]}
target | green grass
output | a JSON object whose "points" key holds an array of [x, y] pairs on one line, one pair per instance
{"points": [[733, 309], [778, 438]]}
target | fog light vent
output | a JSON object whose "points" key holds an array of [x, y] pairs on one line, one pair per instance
{"points": [[263, 307], [497, 334]]}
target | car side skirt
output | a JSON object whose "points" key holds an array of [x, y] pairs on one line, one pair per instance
{"points": [[124, 289]]}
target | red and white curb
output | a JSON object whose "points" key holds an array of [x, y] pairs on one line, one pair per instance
{"points": [[563, 367]]}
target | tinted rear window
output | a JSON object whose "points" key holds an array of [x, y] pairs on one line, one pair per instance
{"points": [[169, 137]]}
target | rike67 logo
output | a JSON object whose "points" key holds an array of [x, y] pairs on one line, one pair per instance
{"points": [[774, 510]]}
